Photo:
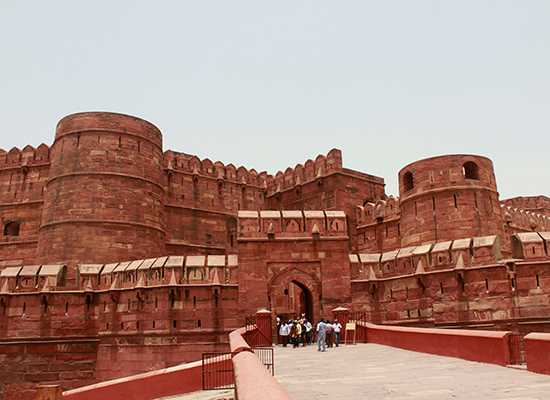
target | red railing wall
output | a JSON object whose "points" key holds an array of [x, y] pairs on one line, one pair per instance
{"points": [[483, 346], [251, 378], [171, 381], [537, 352]]}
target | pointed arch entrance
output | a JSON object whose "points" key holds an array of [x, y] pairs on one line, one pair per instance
{"points": [[294, 292]]}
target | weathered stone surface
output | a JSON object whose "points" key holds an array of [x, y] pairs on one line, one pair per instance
{"points": [[371, 371], [153, 256]]}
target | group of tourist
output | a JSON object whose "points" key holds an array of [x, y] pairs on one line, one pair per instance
{"points": [[300, 331]]}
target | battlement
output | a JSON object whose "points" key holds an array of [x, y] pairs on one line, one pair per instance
{"points": [[24, 158], [291, 224], [160, 271], [136, 274], [522, 219], [32, 278], [190, 164], [417, 260], [23, 174], [382, 210], [309, 171], [155, 255], [531, 245], [535, 204]]}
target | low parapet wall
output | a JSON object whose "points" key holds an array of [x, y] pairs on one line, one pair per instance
{"points": [[537, 352], [484, 346], [252, 380], [171, 381]]}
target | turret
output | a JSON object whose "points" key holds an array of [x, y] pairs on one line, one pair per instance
{"points": [[448, 197], [104, 197]]}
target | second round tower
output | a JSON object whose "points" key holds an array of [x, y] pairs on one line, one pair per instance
{"points": [[448, 197]]}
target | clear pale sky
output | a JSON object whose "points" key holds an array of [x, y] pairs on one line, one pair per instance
{"points": [[269, 84]]}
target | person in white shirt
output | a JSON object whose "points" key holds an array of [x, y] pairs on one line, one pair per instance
{"points": [[284, 331], [321, 335], [309, 329], [279, 341], [337, 327]]}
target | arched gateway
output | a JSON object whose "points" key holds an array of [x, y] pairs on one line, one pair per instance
{"points": [[294, 292]]}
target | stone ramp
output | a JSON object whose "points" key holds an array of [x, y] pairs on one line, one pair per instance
{"points": [[371, 371], [204, 395]]}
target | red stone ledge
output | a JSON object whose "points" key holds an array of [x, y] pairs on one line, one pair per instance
{"points": [[92, 221], [171, 381], [252, 380], [103, 174], [537, 352], [484, 346], [291, 238]]}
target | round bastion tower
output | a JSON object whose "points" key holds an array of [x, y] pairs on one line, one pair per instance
{"points": [[448, 197], [104, 197]]}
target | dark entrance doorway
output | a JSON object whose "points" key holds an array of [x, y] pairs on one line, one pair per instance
{"points": [[298, 300]]}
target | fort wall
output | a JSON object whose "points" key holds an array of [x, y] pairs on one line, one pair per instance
{"points": [[277, 248], [460, 283], [147, 314], [23, 176], [151, 257], [323, 184], [533, 204]]}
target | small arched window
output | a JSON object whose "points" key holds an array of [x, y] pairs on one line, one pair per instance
{"points": [[408, 181], [470, 170], [11, 228]]}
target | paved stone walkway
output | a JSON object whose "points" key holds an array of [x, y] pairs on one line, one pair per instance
{"points": [[374, 372], [370, 371], [204, 395]]}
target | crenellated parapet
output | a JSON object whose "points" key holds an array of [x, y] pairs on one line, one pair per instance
{"points": [[23, 174], [520, 219], [274, 224], [379, 211], [534, 204], [189, 164], [426, 258], [136, 274], [211, 186], [32, 278], [160, 271], [531, 245], [311, 170], [26, 157]]}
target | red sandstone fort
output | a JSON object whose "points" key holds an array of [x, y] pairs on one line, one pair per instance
{"points": [[119, 257]]}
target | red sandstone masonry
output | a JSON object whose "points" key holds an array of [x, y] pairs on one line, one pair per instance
{"points": [[252, 380], [26, 363], [115, 199], [484, 346], [152, 385], [104, 168], [537, 351]]}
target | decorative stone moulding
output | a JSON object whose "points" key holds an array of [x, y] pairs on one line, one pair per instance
{"points": [[291, 223], [419, 260], [530, 245], [150, 272]]}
